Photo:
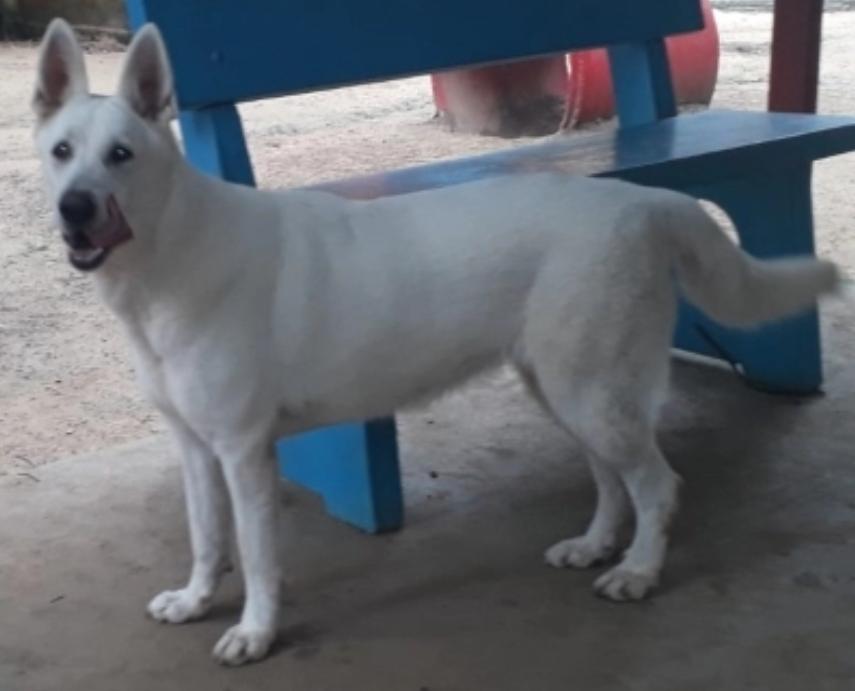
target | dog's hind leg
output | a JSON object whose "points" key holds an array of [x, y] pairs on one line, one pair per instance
{"points": [[596, 337], [619, 439], [599, 541], [603, 382], [207, 514], [653, 488]]}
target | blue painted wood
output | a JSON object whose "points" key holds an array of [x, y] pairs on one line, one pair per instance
{"points": [[354, 467], [642, 82], [689, 150], [773, 217], [225, 51], [137, 13], [214, 143]]}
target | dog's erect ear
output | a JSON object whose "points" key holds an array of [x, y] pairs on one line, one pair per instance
{"points": [[61, 71], [146, 82]]}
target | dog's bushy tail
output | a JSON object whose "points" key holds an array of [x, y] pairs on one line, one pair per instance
{"points": [[734, 288]]}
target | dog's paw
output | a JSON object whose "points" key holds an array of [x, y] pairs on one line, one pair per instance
{"points": [[621, 584], [178, 606], [240, 645], [578, 552]]}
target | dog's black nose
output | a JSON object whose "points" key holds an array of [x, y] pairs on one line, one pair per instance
{"points": [[77, 207]]}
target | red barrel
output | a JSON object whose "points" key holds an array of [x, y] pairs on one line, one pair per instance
{"points": [[533, 97]]}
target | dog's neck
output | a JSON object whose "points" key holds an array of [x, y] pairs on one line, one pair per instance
{"points": [[172, 232]]}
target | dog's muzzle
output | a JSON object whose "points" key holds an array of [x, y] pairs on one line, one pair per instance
{"points": [[89, 245]]}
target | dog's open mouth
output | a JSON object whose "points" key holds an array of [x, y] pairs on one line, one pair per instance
{"points": [[97, 243], [87, 259]]}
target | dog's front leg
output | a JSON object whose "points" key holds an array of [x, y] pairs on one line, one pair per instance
{"points": [[207, 515], [253, 483]]}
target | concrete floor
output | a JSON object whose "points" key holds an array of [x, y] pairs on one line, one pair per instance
{"points": [[759, 591]]}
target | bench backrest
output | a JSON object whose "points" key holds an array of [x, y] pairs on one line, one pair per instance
{"points": [[227, 51]]}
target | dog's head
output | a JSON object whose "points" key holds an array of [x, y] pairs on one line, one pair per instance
{"points": [[107, 161]]}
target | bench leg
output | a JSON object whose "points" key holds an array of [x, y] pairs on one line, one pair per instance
{"points": [[354, 467], [773, 216]]}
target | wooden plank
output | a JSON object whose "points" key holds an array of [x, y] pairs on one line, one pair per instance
{"points": [[354, 467], [214, 143], [690, 149], [225, 51], [796, 37], [642, 82]]}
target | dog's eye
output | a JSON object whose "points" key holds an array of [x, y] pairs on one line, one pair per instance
{"points": [[119, 154], [62, 151]]}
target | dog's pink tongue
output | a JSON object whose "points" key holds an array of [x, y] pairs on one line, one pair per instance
{"points": [[114, 231]]}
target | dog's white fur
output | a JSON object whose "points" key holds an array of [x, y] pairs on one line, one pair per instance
{"points": [[255, 314]]}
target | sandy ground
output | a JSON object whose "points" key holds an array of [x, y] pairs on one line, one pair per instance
{"points": [[65, 383]]}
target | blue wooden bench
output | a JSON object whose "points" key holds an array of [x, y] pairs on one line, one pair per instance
{"points": [[755, 165]]}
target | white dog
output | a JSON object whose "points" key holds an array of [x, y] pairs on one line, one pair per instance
{"points": [[255, 314]]}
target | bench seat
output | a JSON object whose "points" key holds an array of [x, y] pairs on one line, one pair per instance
{"points": [[679, 153], [755, 165]]}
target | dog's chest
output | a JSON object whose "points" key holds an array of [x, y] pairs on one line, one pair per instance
{"points": [[150, 370], [174, 372], [151, 343]]}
